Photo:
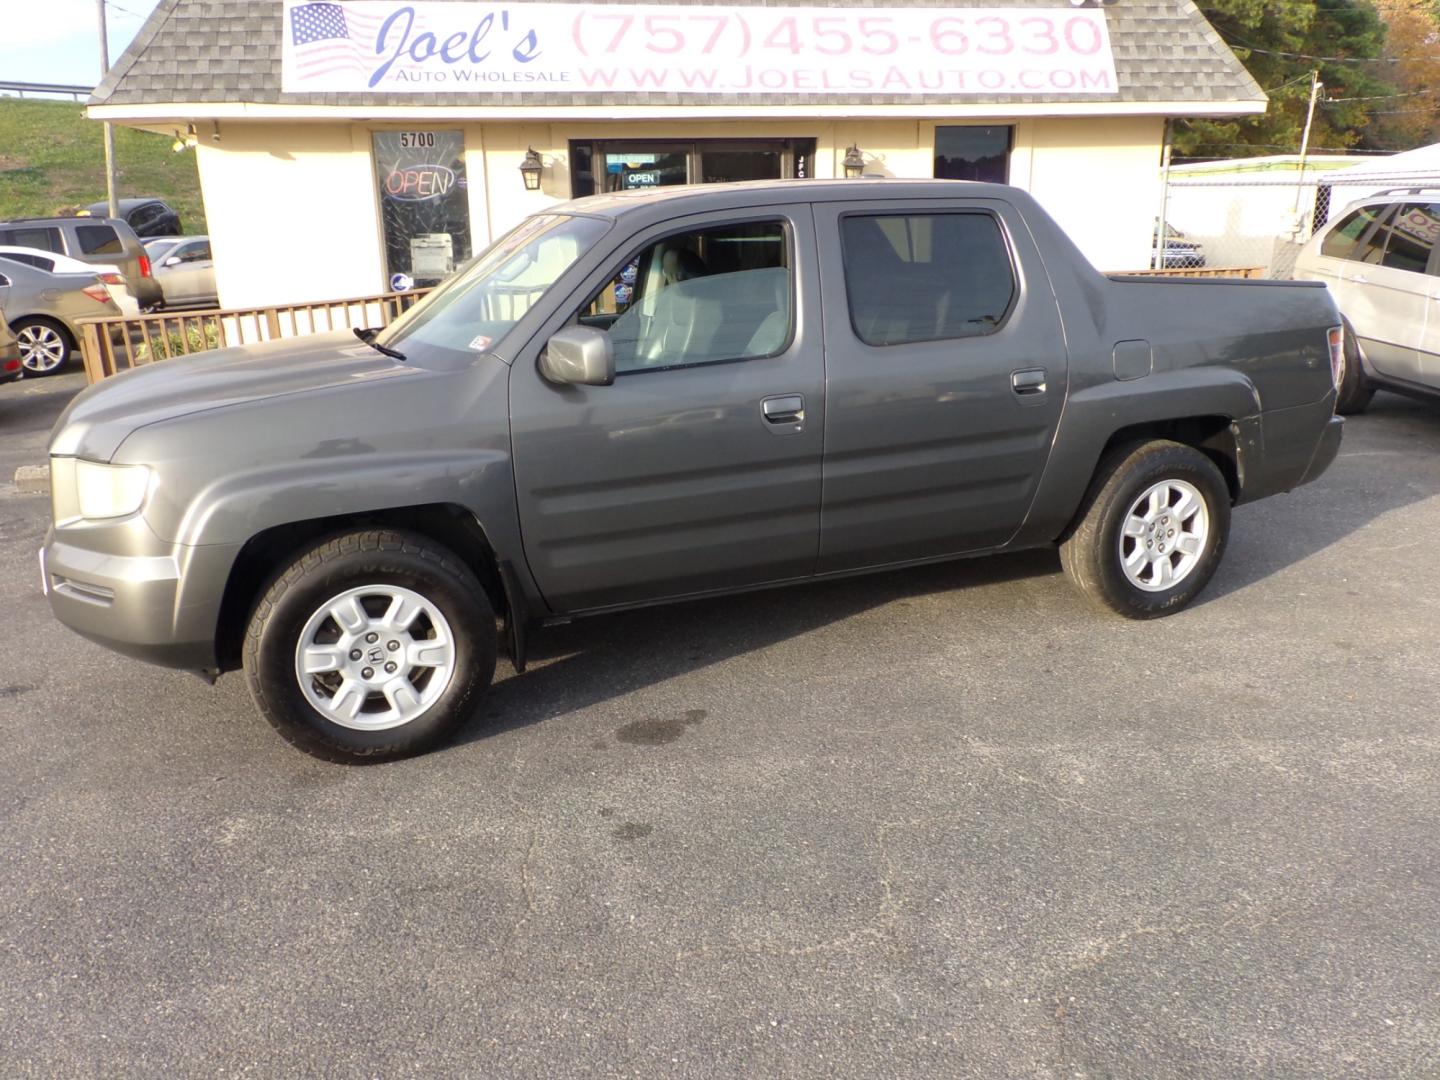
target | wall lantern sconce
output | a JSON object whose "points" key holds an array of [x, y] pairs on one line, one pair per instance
{"points": [[530, 169], [186, 141], [854, 163]]}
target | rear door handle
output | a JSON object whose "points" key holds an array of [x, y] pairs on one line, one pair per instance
{"points": [[1029, 383], [1359, 281], [784, 414]]}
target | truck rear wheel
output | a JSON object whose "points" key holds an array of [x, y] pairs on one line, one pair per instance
{"points": [[369, 646], [1152, 530]]}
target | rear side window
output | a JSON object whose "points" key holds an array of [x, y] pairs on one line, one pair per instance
{"points": [[98, 240], [1413, 232], [1358, 236], [926, 277], [46, 239], [37, 261]]}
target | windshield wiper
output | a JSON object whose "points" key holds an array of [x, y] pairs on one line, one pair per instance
{"points": [[367, 335]]}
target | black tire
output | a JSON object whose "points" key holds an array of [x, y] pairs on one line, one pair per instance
{"points": [[374, 560], [1092, 553], [1353, 395], [50, 358]]}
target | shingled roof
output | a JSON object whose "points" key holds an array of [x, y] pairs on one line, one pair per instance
{"points": [[228, 51]]}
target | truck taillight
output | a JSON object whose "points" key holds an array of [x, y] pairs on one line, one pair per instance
{"points": [[1337, 355], [97, 292], [144, 265]]}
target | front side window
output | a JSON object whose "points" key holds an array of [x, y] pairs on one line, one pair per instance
{"points": [[702, 297], [925, 277], [146, 215], [195, 252], [98, 240], [1359, 237], [1413, 232], [482, 301]]}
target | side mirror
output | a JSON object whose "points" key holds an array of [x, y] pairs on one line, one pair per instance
{"points": [[173, 260], [579, 356]]}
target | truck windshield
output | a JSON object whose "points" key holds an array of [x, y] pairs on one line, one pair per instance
{"points": [[483, 300]]}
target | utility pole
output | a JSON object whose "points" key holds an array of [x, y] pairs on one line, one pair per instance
{"points": [[1161, 230], [114, 209], [1315, 87]]}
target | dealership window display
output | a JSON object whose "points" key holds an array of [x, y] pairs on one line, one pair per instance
{"points": [[424, 205]]}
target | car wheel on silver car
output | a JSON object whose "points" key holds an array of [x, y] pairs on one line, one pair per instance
{"points": [[371, 645], [1152, 530], [44, 346]]}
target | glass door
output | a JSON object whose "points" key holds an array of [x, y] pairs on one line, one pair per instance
{"points": [[615, 165]]}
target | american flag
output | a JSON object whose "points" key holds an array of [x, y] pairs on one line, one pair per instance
{"points": [[328, 38]]}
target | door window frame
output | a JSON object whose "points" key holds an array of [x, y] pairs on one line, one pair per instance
{"points": [[1007, 242], [650, 239]]}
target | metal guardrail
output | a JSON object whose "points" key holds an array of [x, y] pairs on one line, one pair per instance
{"points": [[109, 346], [20, 89]]}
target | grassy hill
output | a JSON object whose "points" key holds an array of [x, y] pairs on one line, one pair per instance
{"points": [[52, 160]]}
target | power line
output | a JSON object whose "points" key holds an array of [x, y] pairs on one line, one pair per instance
{"points": [[1386, 97], [1238, 43], [124, 11]]}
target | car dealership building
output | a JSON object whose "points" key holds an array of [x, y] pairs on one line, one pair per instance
{"points": [[347, 148]]}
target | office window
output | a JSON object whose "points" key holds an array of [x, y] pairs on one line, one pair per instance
{"points": [[973, 153]]}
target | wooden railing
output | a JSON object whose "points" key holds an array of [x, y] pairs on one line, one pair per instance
{"points": [[109, 346], [1199, 271]]}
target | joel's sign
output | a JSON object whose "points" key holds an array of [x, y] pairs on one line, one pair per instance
{"points": [[427, 47]]}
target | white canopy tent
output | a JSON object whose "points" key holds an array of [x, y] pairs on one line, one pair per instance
{"points": [[1418, 168]]}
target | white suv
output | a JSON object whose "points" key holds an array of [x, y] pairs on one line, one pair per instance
{"points": [[1379, 258]]}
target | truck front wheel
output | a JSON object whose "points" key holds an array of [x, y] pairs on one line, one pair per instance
{"points": [[369, 646], [1152, 530]]}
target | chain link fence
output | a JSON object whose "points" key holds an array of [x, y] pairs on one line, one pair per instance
{"points": [[1234, 222], [1261, 221]]}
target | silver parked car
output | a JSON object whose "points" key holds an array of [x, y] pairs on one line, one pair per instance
{"points": [[184, 269], [45, 309], [1379, 259], [107, 241], [11, 367]]}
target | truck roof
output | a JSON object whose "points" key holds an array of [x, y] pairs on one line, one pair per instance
{"points": [[698, 198]]}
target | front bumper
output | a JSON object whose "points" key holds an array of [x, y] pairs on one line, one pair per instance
{"points": [[160, 608]]}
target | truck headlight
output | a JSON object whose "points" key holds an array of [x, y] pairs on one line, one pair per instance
{"points": [[110, 491]]}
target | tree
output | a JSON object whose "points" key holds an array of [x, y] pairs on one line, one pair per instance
{"points": [[1413, 41], [1280, 44]]}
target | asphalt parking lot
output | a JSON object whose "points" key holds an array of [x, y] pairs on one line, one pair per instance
{"points": [[941, 822]]}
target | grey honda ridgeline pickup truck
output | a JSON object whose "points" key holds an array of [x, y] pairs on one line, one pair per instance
{"points": [[639, 397]]}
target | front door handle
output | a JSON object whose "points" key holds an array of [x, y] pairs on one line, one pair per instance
{"points": [[784, 414], [1030, 383], [784, 410]]}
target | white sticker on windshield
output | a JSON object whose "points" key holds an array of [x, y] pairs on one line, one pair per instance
{"points": [[480, 342]]}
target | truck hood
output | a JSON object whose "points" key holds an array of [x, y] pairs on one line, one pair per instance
{"points": [[102, 416]]}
